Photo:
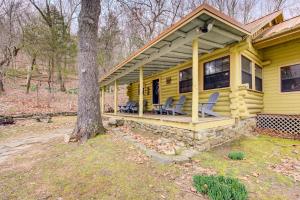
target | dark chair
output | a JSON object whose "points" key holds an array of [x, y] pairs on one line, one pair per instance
{"points": [[136, 107], [207, 108], [124, 107], [162, 108], [177, 109]]}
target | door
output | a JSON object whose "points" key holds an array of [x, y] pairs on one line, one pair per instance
{"points": [[155, 91]]}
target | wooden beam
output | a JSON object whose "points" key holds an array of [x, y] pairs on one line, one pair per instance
{"points": [[102, 99], [195, 89], [180, 33], [116, 97], [141, 97], [210, 43], [180, 54], [227, 34], [189, 48]]}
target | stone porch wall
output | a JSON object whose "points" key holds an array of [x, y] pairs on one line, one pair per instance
{"points": [[201, 140]]}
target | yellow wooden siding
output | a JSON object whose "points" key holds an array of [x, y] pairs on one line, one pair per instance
{"points": [[254, 102], [274, 100], [172, 90]]}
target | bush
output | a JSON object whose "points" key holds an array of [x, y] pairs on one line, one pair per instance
{"points": [[220, 187], [236, 155]]}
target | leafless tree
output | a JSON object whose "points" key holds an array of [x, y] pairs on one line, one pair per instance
{"points": [[10, 12], [274, 5], [246, 8]]}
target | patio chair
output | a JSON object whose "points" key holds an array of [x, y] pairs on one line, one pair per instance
{"points": [[136, 107], [132, 107], [207, 108], [177, 109], [123, 107], [162, 108]]}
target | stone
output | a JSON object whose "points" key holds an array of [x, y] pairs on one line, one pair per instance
{"points": [[119, 122], [112, 122], [169, 152]]}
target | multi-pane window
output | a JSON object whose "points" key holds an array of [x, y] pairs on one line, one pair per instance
{"points": [[290, 78], [217, 73], [258, 78], [185, 80], [246, 71]]}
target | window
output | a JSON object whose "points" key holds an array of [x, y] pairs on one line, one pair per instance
{"points": [[185, 80], [258, 78], [290, 78], [246, 71], [216, 73]]}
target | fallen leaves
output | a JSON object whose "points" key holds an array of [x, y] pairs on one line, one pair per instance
{"points": [[289, 167]]}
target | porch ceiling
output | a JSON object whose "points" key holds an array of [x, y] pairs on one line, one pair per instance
{"points": [[174, 46]]}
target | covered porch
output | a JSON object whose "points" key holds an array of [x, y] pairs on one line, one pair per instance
{"points": [[181, 122], [200, 36]]}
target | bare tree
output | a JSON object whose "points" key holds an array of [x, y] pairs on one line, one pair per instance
{"points": [[89, 122], [10, 11], [246, 10], [273, 5]]}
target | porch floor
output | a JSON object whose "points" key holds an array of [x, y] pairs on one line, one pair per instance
{"points": [[175, 121]]}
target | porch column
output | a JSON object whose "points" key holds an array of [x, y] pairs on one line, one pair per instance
{"points": [[141, 97], [195, 91], [116, 98], [102, 99], [235, 82]]}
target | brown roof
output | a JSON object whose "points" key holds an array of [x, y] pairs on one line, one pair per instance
{"points": [[288, 25], [195, 13], [257, 24]]}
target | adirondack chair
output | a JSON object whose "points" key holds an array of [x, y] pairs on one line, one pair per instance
{"points": [[207, 108], [136, 107], [123, 107], [177, 109], [132, 106], [162, 108]]}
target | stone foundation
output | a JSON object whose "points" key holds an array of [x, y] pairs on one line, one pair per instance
{"points": [[201, 140]]}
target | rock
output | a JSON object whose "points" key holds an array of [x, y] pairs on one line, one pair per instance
{"points": [[180, 144], [119, 122], [169, 152], [295, 151], [112, 122], [49, 120]]}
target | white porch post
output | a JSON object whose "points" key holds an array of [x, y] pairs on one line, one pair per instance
{"points": [[116, 97], [102, 99], [195, 90], [141, 103]]}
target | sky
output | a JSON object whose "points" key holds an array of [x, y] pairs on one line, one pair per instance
{"points": [[291, 9]]}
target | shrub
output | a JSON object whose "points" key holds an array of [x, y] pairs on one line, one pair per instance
{"points": [[220, 187], [236, 155]]}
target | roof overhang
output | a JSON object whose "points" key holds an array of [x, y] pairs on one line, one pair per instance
{"points": [[174, 45], [278, 38]]}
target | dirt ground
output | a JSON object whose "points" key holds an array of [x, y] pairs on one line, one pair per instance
{"points": [[36, 164]]}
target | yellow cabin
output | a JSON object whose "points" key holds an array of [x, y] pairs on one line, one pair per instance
{"points": [[254, 68]]}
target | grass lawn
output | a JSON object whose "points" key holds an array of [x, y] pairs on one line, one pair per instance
{"points": [[107, 167], [254, 171]]}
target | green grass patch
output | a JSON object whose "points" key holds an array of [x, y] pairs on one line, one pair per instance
{"points": [[236, 155], [220, 187]]}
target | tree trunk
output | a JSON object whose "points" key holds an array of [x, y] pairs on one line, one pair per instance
{"points": [[1, 83], [89, 122], [30, 74], [60, 78]]}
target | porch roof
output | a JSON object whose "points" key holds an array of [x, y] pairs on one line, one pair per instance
{"points": [[174, 45]]}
